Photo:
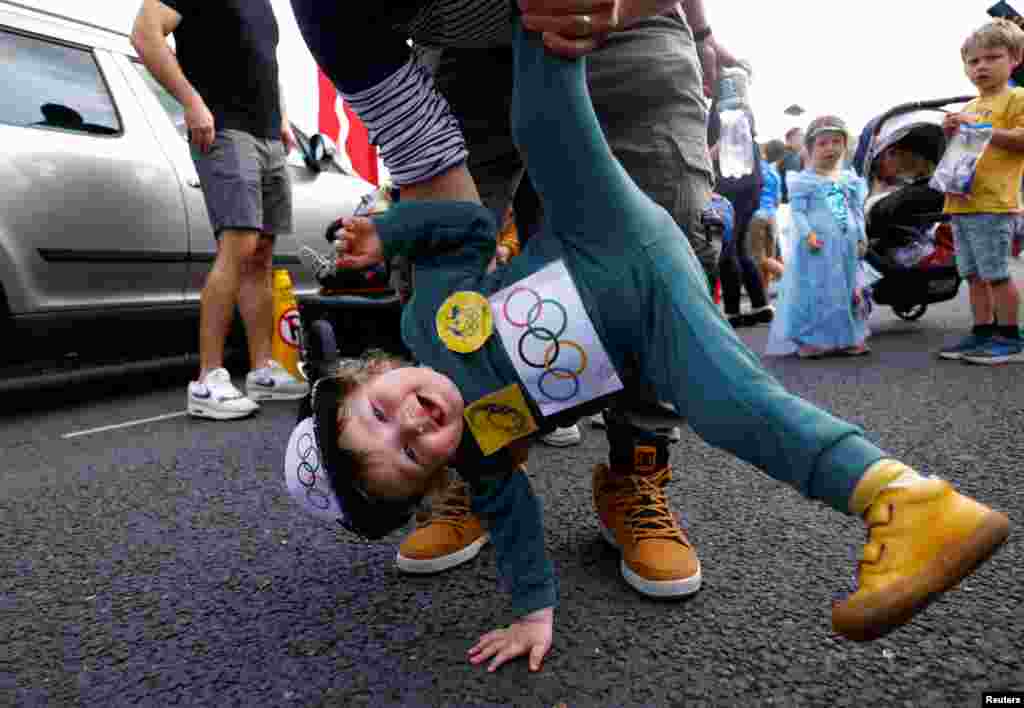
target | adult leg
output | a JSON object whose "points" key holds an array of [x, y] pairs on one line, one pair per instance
{"points": [[213, 395], [730, 275], [220, 294], [477, 84], [256, 301], [748, 270], [645, 83]]}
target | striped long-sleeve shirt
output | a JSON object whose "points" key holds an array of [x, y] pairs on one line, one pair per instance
{"points": [[390, 88]]}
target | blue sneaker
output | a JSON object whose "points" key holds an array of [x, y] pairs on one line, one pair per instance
{"points": [[998, 350], [970, 343]]}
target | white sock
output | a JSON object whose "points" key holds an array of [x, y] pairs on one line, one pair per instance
{"points": [[907, 479]]}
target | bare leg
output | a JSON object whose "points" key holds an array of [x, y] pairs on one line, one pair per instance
{"points": [[981, 301], [256, 302], [1006, 299], [221, 292]]}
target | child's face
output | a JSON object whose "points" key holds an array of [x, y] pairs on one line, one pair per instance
{"points": [[409, 422], [890, 163], [989, 68], [828, 149]]}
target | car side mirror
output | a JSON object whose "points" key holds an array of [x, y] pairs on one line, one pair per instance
{"points": [[322, 151]]}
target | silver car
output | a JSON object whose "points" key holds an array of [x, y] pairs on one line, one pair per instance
{"points": [[102, 222]]}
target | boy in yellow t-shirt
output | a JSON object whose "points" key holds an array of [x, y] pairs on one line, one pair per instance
{"points": [[984, 222]]}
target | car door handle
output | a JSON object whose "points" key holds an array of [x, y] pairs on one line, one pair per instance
{"points": [[193, 182]]}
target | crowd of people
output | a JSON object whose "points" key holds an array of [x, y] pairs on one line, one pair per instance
{"points": [[600, 119]]}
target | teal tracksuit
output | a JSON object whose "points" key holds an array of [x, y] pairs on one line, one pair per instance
{"points": [[647, 297]]}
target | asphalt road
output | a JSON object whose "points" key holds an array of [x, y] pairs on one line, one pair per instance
{"points": [[163, 564]]}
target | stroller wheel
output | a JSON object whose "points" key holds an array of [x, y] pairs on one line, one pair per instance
{"points": [[914, 312]]}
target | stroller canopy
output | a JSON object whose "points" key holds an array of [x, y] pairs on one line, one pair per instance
{"points": [[919, 132]]}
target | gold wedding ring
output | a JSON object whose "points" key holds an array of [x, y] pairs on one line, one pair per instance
{"points": [[587, 23]]}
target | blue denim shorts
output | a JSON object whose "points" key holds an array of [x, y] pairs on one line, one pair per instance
{"points": [[983, 243]]}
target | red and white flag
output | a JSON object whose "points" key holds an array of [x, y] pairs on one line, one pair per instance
{"points": [[338, 122]]}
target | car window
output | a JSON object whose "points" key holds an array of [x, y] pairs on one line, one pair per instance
{"points": [[175, 110], [53, 86]]}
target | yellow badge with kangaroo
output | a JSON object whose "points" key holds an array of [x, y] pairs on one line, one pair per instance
{"points": [[464, 321]]}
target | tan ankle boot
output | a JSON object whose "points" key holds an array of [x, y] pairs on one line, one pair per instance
{"points": [[634, 516], [448, 536]]}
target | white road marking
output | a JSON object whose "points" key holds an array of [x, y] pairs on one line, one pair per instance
{"points": [[129, 424]]}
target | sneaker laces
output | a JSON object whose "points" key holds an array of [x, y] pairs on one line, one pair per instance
{"points": [[218, 382], [649, 514], [452, 507]]}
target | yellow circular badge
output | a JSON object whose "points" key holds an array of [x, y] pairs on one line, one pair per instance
{"points": [[464, 321]]}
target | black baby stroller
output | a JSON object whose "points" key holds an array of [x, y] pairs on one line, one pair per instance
{"points": [[901, 218]]}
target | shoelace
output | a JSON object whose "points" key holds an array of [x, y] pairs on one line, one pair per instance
{"points": [[649, 516], [221, 387], [452, 507]]}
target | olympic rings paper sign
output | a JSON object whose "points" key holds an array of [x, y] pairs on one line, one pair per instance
{"points": [[552, 342]]}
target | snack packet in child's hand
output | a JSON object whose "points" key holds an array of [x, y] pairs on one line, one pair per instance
{"points": [[955, 173]]}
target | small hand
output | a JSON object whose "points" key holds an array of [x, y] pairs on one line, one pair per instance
{"points": [[358, 245], [571, 28], [200, 125], [288, 138], [530, 635], [813, 242], [503, 255], [952, 122]]}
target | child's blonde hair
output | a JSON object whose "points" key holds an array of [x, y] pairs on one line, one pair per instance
{"points": [[350, 374], [994, 34]]}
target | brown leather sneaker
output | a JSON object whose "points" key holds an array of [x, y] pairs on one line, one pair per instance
{"points": [[634, 516], [448, 536], [922, 540]]}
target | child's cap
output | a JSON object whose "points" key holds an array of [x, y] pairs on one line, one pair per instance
{"points": [[306, 477], [318, 472], [824, 124]]}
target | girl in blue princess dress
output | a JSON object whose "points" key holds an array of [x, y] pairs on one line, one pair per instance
{"points": [[822, 310]]}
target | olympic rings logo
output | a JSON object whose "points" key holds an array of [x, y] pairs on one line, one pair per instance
{"points": [[309, 465], [547, 355]]}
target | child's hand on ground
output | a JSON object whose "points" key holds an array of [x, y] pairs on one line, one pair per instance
{"points": [[530, 635], [358, 244]]}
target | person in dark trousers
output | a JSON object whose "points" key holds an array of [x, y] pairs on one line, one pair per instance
{"points": [[736, 265]]}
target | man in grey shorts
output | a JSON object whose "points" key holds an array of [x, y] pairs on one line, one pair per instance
{"points": [[224, 72]]}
